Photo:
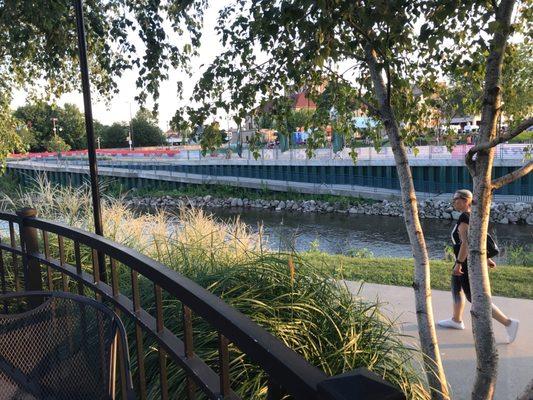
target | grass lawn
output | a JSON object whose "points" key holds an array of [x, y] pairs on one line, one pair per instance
{"points": [[506, 280]]}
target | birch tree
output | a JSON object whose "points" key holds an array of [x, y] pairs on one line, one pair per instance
{"points": [[349, 56], [480, 160]]}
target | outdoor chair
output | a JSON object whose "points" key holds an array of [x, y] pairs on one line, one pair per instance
{"points": [[60, 346]]}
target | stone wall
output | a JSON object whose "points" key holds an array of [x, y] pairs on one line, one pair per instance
{"points": [[503, 213]]}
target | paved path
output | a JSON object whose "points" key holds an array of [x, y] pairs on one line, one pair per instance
{"points": [[457, 347]]}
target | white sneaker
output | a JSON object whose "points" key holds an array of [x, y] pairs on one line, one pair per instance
{"points": [[512, 330], [451, 324]]}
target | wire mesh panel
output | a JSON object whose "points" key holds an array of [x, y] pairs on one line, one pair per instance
{"points": [[56, 348]]}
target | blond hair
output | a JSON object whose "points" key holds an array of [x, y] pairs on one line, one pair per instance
{"points": [[466, 194]]}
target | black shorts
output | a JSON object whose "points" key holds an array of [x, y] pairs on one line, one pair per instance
{"points": [[461, 284]]}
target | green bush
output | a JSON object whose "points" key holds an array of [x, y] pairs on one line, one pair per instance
{"points": [[360, 253], [519, 255], [9, 183], [449, 255]]}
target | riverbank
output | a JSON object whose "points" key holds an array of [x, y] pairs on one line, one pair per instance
{"points": [[502, 213], [508, 280], [212, 236]]}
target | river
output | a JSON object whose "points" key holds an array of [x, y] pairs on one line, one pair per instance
{"points": [[340, 233], [383, 236]]}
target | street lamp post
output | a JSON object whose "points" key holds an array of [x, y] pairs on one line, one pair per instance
{"points": [[130, 133], [89, 127], [54, 121]]}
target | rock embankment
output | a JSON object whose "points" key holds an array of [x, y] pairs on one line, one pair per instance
{"points": [[503, 213]]}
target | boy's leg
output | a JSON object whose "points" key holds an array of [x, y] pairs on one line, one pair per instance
{"points": [[458, 299], [499, 316]]}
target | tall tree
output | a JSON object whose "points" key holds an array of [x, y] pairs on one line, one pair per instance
{"points": [[368, 55], [480, 160], [363, 53], [145, 131], [41, 118], [38, 45], [495, 70], [114, 136]]}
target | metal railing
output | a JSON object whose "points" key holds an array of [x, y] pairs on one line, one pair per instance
{"points": [[507, 151], [27, 256]]}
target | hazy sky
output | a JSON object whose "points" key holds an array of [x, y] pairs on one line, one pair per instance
{"points": [[119, 108]]}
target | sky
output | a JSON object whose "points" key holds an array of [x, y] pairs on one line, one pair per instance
{"points": [[119, 108]]}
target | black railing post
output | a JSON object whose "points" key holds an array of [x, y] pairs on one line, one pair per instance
{"points": [[360, 384], [29, 244], [89, 128]]}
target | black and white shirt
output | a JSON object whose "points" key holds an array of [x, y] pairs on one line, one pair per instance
{"points": [[456, 240]]}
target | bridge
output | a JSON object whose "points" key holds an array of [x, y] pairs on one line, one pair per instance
{"points": [[435, 170]]}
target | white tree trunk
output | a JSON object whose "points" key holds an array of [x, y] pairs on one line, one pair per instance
{"points": [[487, 356], [421, 284]]}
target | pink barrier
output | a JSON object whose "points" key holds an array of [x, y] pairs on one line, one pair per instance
{"points": [[141, 152], [460, 150]]}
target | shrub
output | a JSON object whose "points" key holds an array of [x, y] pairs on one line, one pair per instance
{"points": [[519, 255], [360, 253], [449, 255]]}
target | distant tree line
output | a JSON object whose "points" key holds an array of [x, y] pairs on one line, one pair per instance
{"points": [[46, 127]]}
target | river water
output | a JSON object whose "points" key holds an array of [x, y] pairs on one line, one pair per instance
{"points": [[341, 233], [338, 233]]}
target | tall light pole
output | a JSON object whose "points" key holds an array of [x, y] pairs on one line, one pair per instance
{"points": [[89, 127], [54, 121], [130, 133]]}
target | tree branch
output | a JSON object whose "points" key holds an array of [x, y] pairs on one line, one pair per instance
{"points": [[494, 6], [372, 108], [512, 176], [469, 161], [352, 56], [504, 138], [522, 126]]}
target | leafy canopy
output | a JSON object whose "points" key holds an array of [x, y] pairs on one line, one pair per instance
{"points": [[38, 117], [275, 48], [38, 44]]}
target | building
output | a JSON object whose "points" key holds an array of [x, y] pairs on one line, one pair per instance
{"points": [[301, 101], [466, 123], [174, 138]]}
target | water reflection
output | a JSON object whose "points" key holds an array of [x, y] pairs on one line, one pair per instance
{"points": [[384, 236]]}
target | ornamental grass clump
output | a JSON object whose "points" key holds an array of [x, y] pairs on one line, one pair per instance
{"points": [[315, 316], [307, 310]]}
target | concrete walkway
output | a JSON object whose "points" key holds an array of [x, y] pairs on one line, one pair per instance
{"points": [[457, 347]]}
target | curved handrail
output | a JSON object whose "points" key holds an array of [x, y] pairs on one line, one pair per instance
{"points": [[283, 365]]}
